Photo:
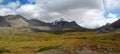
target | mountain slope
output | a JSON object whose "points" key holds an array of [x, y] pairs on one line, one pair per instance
{"points": [[35, 22], [115, 26], [16, 20], [3, 22]]}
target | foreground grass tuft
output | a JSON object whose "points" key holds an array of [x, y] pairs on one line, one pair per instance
{"points": [[4, 50]]}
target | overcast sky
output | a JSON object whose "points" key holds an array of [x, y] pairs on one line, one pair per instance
{"points": [[86, 13]]}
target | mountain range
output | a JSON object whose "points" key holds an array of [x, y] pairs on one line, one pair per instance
{"points": [[17, 21]]}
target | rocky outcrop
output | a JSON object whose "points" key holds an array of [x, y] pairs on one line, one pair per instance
{"points": [[16, 20], [3, 22]]}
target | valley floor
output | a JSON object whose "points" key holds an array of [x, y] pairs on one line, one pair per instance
{"points": [[64, 43]]}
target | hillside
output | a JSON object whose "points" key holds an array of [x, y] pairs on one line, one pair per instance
{"points": [[16, 20]]}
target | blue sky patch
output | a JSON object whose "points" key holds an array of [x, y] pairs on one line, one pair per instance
{"points": [[5, 2]]}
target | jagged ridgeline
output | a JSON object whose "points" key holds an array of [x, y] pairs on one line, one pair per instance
{"points": [[17, 21]]}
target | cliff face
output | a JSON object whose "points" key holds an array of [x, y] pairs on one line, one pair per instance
{"points": [[3, 22], [16, 20]]}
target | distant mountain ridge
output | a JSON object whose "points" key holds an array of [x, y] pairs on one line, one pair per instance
{"points": [[115, 26], [20, 22], [17, 21]]}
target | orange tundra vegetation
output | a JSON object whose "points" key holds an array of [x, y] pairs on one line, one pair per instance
{"points": [[35, 42]]}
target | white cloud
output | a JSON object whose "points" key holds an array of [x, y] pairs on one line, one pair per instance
{"points": [[13, 5], [95, 19], [111, 4], [30, 11], [87, 13], [6, 11], [110, 15], [9, 9], [64, 5], [1, 1]]}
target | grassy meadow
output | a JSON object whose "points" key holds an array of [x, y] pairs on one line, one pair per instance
{"points": [[35, 42]]}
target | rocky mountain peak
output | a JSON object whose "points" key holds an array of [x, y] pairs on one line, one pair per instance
{"points": [[60, 22], [63, 24]]}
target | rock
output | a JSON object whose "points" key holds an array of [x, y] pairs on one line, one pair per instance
{"points": [[56, 51], [16, 20], [85, 51], [60, 51]]}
